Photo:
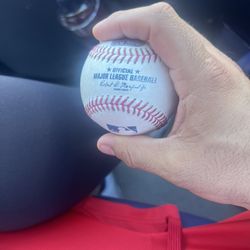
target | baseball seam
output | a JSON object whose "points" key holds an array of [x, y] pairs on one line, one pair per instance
{"points": [[119, 54], [127, 105]]}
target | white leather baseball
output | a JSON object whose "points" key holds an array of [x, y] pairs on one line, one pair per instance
{"points": [[126, 89]]}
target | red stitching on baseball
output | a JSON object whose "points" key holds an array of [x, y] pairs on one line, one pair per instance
{"points": [[146, 111], [101, 53], [94, 55], [118, 55], [111, 54], [136, 107], [112, 103], [150, 113], [124, 55], [105, 55], [117, 103], [96, 104], [143, 56], [155, 56], [141, 108], [149, 55], [134, 55], [101, 103], [153, 118], [129, 105], [106, 102], [92, 105], [124, 104]]}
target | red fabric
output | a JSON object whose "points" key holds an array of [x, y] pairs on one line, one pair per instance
{"points": [[230, 234], [97, 224]]}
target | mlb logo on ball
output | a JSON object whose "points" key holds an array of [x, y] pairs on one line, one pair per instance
{"points": [[118, 129]]}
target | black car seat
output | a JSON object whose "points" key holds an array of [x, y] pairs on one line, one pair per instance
{"points": [[48, 155]]}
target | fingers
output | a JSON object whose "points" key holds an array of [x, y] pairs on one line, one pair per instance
{"points": [[193, 61], [159, 156], [178, 44]]}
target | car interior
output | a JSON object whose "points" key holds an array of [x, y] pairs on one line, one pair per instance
{"points": [[48, 155]]}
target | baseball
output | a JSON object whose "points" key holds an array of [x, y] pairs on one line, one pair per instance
{"points": [[126, 89]]}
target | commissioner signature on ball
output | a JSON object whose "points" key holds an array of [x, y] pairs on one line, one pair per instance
{"points": [[123, 86]]}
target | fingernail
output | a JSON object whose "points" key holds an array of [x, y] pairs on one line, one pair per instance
{"points": [[106, 149], [105, 143]]}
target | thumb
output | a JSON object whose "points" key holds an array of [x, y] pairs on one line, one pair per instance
{"points": [[150, 154]]}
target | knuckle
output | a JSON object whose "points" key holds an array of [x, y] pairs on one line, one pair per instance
{"points": [[164, 8], [218, 67], [117, 14], [129, 159], [219, 72], [210, 70]]}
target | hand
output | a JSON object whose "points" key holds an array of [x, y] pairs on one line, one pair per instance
{"points": [[208, 149]]}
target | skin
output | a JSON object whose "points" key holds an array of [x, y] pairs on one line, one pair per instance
{"points": [[208, 149]]}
